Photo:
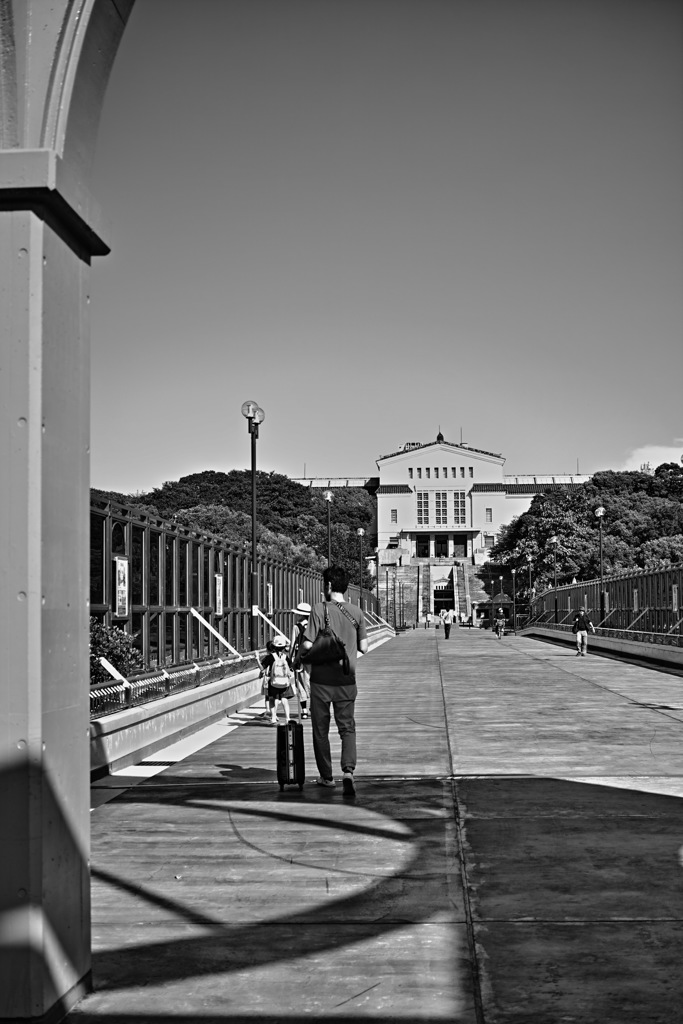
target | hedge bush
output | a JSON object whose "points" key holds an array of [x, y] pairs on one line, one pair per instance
{"points": [[117, 646]]}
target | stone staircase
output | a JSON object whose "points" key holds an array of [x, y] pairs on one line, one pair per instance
{"points": [[405, 593]]}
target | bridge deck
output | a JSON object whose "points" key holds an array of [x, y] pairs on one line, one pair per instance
{"points": [[513, 855]]}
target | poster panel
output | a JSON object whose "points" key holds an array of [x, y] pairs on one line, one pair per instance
{"points": [[121, 605]]}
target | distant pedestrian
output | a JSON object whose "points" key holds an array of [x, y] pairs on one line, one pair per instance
{"points": [[278, 676], [302, 673], [428, 620], [500, 624], [329, 684], [582, 623], [448, 617]]}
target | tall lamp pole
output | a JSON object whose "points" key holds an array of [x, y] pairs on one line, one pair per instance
{"points": [[599, 512], [328, 496], [529, 559], [500, 595], [553, 541], [514, 601], [361, 533], [254, 415], [394, 602]]}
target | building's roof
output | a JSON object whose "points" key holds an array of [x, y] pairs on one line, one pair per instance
{"points": [[538, 488], [394, 489], [412, 446], [332, 481]]}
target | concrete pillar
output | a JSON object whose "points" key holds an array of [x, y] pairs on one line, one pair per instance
{"points": [[52, 92]]}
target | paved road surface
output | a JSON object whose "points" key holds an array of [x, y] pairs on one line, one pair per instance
{"points": [[514, 854]]}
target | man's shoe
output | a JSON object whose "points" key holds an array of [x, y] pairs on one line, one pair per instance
{"points": [[578, 654], [348, 784], [325, 782]]}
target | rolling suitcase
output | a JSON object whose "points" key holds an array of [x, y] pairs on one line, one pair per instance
{"points": [[291, 770]]}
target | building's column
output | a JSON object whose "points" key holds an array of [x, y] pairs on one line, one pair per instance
{"points": [[44, 720], [54, 64]]}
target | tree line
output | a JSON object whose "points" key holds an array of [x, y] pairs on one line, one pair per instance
{"points": [[291, 518], [642, 528]]}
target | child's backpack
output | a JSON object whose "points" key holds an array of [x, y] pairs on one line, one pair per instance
{"points": [[280, 672]]}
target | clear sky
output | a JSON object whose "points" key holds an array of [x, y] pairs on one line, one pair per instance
{"points": [[381, 217]]}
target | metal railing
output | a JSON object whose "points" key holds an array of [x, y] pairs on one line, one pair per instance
{"points": [[147, 574], [145, 687], [640, 605]]}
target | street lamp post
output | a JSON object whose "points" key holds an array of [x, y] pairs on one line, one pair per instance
{"points": [[553, 541], [254, 415], [394, 602], [599, 512], [514, 601], [500, 595], [328, 496], [529, 559], [361, 533]]}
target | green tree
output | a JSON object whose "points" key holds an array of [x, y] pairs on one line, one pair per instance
{"points": [[643, 519]]}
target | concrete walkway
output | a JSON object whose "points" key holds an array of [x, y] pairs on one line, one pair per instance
{"points": [[514, 854]]}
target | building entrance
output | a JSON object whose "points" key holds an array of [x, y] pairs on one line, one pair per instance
{"points": [[444, 598], [459, 545], [422, 545], [441, 545]]}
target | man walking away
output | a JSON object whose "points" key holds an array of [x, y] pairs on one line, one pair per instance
{"points": [[329, 685], [448, 617], [582, 624]]}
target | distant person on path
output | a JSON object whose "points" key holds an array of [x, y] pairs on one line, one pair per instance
{"points": [[428, 620], [500, 624], [302, 614], [448, 618], [278, 676], [329, 685], [581, 625]]}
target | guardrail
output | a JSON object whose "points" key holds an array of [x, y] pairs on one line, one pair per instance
{"points": [[634, 635], [151, 686]]}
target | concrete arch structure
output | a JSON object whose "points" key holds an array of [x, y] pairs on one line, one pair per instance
{"points": [[55, 60]]}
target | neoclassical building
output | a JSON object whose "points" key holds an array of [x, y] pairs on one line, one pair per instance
{"points": [[440, 500], [440, 508]]}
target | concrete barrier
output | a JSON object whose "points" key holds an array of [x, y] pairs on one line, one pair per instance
{"points": [[125, 737], [659, 654]]}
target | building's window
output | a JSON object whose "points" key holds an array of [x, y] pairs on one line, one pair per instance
{"points": [[445, 472], [459, 508], [471, 470], [422, 507], [454, 471], [462, 471], [394, 515], [410, 473], [436, 472], [489, 515], [488, 540], [428, 472], [441, 507], [419, 474]]}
